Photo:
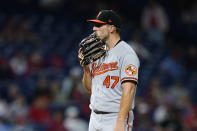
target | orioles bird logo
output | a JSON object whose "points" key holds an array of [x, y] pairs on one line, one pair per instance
{"points": [[131, 70]]}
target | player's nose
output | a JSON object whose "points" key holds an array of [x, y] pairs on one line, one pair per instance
{"points": [[95, 28]]}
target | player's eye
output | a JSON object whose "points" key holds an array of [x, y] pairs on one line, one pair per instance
{"points": [[98, 25]]}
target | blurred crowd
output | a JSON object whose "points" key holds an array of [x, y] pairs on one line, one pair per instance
{"points": [[40, 77]]}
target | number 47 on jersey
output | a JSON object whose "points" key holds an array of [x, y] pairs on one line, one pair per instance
{"points": [[110, 79]]}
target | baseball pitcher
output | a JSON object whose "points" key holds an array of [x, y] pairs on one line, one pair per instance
{"points": [[110, 74]]}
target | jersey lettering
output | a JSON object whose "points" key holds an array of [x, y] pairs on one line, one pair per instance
{"points": [[105, 67]]}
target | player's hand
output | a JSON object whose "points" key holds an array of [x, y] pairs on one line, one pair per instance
{"points": [[119, 126], [80, 56]]}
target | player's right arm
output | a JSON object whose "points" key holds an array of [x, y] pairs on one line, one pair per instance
{"points": [[87, 79]]}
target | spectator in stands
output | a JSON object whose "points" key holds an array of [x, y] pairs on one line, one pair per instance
{"points": [[24, 34], [5, 70], [4, 110], [22, 125], [59, 97], [171, 68], [5, 126], [137, 44], [155, 92], [84, 108], [189, 114], [160, 115], [77, 94], [56, 123], [42, 88], [13, 92], [172, 121], [166, 115], [7, 34], [36, 62], [178, 92], [191, 58], [19, 115], [143, 116], [72, 119], [57, 63], [18, 33], [39, 113], [18, 64], [155, 22], [72, 80], [18, 110]]}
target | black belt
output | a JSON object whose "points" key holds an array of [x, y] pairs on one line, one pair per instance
{"points": [[101, 112]]}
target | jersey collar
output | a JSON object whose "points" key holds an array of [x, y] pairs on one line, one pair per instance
{"points": [[118, 42]]}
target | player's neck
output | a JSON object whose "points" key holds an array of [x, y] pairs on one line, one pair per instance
{"points": [[112, 41]]}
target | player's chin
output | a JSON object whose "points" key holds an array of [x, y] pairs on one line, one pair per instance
{"points": [[100, 35], [96, 33]]}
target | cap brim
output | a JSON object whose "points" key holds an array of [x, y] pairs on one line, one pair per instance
{"points": [[97, 21]]}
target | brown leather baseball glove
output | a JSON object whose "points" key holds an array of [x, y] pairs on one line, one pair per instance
{"points": [[91, 48]]}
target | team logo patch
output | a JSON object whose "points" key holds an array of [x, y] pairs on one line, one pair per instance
{"points": [[131, 70]]}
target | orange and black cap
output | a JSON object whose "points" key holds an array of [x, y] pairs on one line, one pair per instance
{"points": [[107, 17]]}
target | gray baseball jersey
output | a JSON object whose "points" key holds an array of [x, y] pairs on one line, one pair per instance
{"points": [[119, 64]]}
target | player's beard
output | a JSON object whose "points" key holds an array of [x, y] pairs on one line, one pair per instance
{"points": [[102, 35]]}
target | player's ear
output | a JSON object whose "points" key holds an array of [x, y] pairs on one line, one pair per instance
{"points": [[113, 28]]}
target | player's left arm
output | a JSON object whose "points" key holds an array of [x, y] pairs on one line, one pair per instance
{"points": [[129, 79], [125, 104]]}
